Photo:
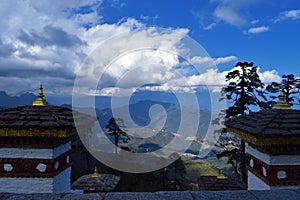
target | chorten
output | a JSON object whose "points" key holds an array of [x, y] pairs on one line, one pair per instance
{"points": [[35, 147], [272, 146], [40, 101]]}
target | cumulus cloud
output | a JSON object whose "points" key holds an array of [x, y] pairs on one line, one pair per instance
{"points": [[49, 43], [6, 49], [211, 79], [42, 40], [269, 76], [257, 30], [50, 36], [161, 71]]}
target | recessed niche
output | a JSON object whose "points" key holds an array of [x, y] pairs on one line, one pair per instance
{"points": [[281, 174], [56, 165], [251, 163], [8, 167], [67, 159], [264, 171], [41, 167]]}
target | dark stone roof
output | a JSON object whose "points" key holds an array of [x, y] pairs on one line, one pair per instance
{"points": [[268, 122], [272, 124], [103, 183], [42, 121], [33, 116], [214, 183]]}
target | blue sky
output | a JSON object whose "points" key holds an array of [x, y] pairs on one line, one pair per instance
{"points": [[275, 47], [47, 41]]}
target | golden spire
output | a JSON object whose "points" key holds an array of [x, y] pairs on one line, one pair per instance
{"points": [[40, 101], [282, 104], [221, 175], [95, 174]]}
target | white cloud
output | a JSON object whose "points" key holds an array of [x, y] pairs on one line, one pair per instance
{"points": [[43, 41], [269, 76], [289, 15], [227, 59], [292, 14], [211, 77], [253, 22], [229, 15], [208, 61], [191, 138], [210, 26], [49, 41], [257, 30], [214, 78], [232, 12]]}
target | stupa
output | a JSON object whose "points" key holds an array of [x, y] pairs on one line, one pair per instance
{"points": [[272, 146], [35, 147]]}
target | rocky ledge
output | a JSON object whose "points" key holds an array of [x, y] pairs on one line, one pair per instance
{"points": [[172, 195]]}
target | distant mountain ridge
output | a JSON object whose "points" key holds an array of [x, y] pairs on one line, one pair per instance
{"points": [[7, 101], [139, 113]]}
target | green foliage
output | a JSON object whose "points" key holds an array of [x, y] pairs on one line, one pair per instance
{"points": [[196, 168], [177, 169], [114, 128], [289, 85], [245, 89]]}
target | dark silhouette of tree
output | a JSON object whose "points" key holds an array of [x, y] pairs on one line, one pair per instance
{"points": [[244, 91], [176, 173], [289, 85], [114, 128], [229, 144]]}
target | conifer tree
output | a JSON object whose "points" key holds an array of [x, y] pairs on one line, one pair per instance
{"points": [[244, 91], [289, 85], [115, 130]]}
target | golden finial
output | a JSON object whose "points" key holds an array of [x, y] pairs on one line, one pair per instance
{"points": [[282, 104], [95, 174], [221, 175], [40, 101]]}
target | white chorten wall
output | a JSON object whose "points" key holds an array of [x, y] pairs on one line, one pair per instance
{"points": [[273, 160], [267, 172], [34, 153], [255, 183], [61, 183]]}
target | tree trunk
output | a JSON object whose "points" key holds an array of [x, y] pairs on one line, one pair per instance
{"points": [[243, 162], [116, 144]]}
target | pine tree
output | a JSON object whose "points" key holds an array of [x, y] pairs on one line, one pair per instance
{"points": [[244, 91], [114, 129], [289, 85]]}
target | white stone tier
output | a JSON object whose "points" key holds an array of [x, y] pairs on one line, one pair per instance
{"points": [[35, 153], [280, 160], [255, 183], [59, 184]]}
